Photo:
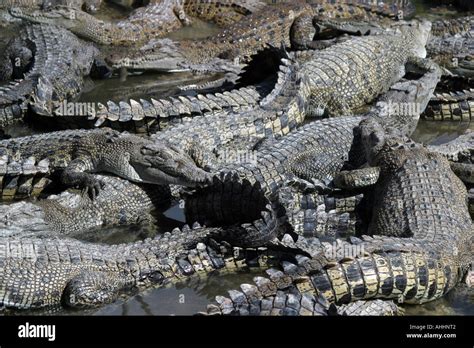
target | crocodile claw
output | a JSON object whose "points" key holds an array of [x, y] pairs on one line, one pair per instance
{"points": [[91, 187]]}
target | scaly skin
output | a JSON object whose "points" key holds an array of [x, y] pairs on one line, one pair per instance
{"points": [[203, 136], [391, 9], [295, 97], [227, 49], [455, 52], [423, 243], [152, 115], [451, 27], [88, 5], [288, 23], [312, 214], [315, 151], [459, 150], [72, 273], [143, 24], [60, 61], [119, 203], [452, 100], [27, 163]]}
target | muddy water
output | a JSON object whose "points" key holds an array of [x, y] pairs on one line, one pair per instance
{"points": [[192, 296]]}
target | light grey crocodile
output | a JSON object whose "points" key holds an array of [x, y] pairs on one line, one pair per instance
{"points": [[28, 163], [120, 202]]}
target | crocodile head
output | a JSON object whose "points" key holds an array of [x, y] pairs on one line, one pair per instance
{"points": [[160, 55], [464, 66], [166, 55], [379, 142], [417, 34], [161, 163]]}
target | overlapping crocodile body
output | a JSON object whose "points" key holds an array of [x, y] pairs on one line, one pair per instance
{"points": [[59, 63]]}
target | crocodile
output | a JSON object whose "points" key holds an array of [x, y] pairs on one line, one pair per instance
{"points": [[303, 90], [228, 49], [328, 216], [292, 302], [72, 214], [459, 152], [317, 150], [453, 26], [88, 5], [453, 100], [41, 67], [294, 24], [79, 274], [145, 23], [151, 115], [460, 149], [30, 163], [421, 245], [455, 52]]}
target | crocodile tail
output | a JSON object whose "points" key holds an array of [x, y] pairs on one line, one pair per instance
{"points": [[389, 269], [161, 112], [287, 81], [209, 204], [452, 106], [254, 234]]}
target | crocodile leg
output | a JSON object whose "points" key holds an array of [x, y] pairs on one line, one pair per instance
{"points": [[75, 176], [357, 179], [94, 288], [311, 214]]}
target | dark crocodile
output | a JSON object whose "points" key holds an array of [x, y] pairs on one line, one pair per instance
{"points": [[422, 244], [453, 100], [315, 151], [28, 163], [145, 23], [41, 67]]}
